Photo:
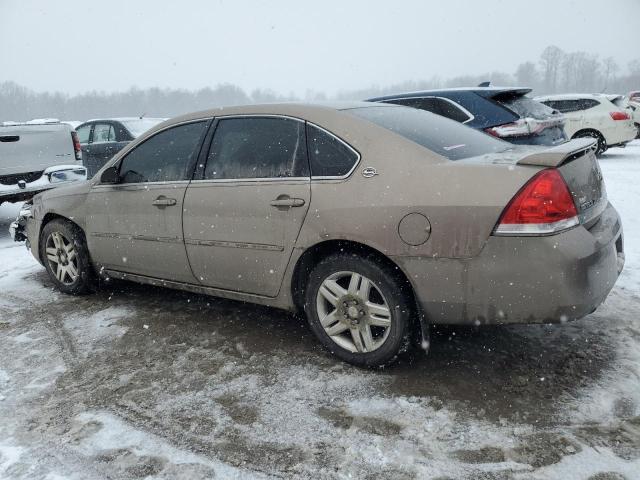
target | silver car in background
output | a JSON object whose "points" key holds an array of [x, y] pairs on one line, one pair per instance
{"points": [[37, 155]]}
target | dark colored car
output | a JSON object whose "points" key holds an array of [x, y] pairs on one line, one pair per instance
{"points": [[101, 139], [504, 112]]}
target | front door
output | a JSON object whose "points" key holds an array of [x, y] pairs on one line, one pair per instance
{"points": [[243, 216], [135, 225]]}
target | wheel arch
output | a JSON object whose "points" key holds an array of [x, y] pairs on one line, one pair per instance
{"points": [[48, 218], [583, 131], [314, 254]]}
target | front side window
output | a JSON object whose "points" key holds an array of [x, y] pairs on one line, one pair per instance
{"points": [[167, 156], [103, 132], [257, 147], [328, 156]]}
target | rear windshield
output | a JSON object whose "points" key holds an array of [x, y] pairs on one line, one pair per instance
{"points": [[139, 126], [524, 106], [440, 135]]}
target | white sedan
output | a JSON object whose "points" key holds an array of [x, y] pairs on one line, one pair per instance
{"points": [[594, 115]]}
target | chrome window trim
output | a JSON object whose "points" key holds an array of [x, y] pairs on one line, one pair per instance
{"points": [[259, 115], [118, 158], [336, 177], [140, 184], [455, 104], [249, 180], [313, 177]]}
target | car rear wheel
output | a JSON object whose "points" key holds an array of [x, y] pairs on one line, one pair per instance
{"points": [[602, 143], [638, 130], [64, 253], [359, 310]]}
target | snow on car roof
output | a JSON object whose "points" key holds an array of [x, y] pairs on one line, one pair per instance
{"points": [[573, 96], [125, 119], [482, 90]]}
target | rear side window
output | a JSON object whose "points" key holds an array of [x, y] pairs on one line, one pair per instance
{"points": [[568, 106], [587, 103], [450, 110], [83, 133], [257, 147], [328, 156], [168, 156], [524, 106], [440, 106], [440, 135]]}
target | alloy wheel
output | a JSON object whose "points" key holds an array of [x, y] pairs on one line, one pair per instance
{"points": [[62, 258], [353, 312]]}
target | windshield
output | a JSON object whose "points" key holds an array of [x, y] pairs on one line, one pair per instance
{"points": [[138, 126], [440, 135]]}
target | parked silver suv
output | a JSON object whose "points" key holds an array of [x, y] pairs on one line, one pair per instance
{"points": [[375, 220]]}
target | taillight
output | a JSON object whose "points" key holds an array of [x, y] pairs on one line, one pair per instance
{"points": [[543, 206], [524, 126], [76, 146], [620, 115]]}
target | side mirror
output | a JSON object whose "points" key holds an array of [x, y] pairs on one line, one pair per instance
{"points": [[110, 176]]}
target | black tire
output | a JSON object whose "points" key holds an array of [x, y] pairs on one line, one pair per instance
{"points": [[602, 143], [638, 129], [394, 291], [85, 280]]}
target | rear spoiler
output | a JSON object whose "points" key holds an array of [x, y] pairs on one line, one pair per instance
{"points": [[556, 156]]}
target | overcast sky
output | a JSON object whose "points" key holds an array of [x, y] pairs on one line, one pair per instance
{"points": [[294, 46]]}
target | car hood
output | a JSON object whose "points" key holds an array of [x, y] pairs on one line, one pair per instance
{"points": [[79, 188]]}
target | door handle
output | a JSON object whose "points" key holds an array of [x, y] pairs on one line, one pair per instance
{"points": [[163, 201], [286, 201]]}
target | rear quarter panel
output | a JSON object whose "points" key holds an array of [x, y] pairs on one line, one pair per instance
{"points": [[462, 200]]}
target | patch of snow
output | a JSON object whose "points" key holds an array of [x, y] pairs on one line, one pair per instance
{"points": [[9, 455], [107, 433], [586, 464], [89, 330]]}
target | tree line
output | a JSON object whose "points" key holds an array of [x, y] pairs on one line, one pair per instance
{"points": [[556, 71]]}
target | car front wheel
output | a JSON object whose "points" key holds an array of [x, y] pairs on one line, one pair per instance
{"points": [[64, 253], [360, 310]]}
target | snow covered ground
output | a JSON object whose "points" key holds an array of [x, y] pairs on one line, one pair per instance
{"points": [[141, 382]]}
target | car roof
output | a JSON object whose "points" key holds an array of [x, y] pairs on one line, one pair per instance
{"points": [[487, 92], [123, 119], [294, 109]]}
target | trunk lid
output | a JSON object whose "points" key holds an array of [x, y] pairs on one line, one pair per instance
{"points": [[577, 163]]}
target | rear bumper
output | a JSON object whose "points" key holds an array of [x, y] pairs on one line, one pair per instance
{"points": [[621, 135], [523, 279]]}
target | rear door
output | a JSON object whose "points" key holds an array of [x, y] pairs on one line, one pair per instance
{"points": [[136, 225], [243, 216]]}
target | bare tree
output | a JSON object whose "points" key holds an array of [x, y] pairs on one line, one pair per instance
{"points": [[550, 62], [611, 68], [527, 75]]}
